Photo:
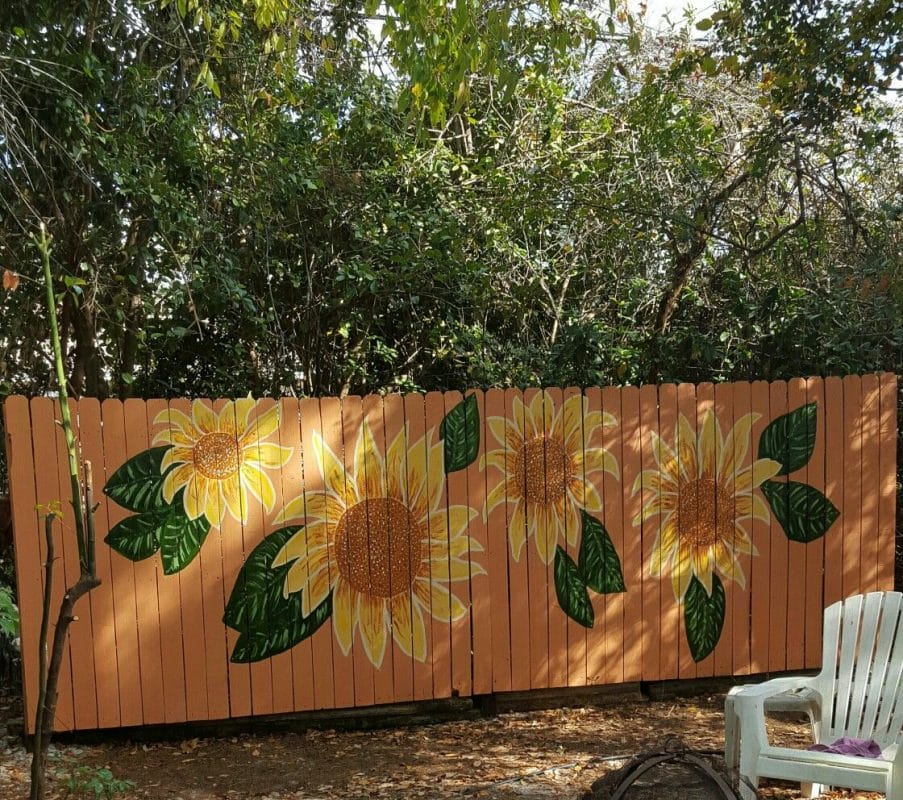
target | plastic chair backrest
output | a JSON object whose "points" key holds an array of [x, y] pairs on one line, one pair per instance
{"points": [[862, 668]]}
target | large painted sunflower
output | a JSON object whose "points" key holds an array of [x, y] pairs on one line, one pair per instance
{"points": [[547, 470], [704, 494], [377, 539], [219, 458]]}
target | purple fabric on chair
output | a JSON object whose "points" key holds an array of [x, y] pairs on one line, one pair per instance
{"points": [[847, 746]]}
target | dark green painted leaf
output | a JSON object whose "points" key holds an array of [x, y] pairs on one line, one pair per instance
{"points": [[460, 432], [571, 590], [282, 634], [598, 560], [136, 536], [703, 616], [803, 511], [789, 439], [180, 537], [257, 595], [138, 485]]}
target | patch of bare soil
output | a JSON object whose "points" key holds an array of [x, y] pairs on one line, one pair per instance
{"points": [[538, 754]]}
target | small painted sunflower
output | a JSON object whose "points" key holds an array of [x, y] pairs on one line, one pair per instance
{"points": [[219, 457], [705, 496], [547, 470], [377, 539]]}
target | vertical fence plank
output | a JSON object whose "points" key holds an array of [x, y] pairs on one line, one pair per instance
{"points": [[248, 440], [834, 479], [518, 545], [595, 488], [380, 546], [617, 524], [122, 577], [670, 608], [797, 554], [632, 555], [456, 494], [146, 602], [28, 531], [172, 664], [400, 544], [203, 649], [287, 487], [687, 436], [742, 453], [815, 551], [760, 564], [852, 484], [554, 516], [48, 490], [434, 408], [497, 462], [355, 486], [418, 493], [725, 517], [871, 482], [103, 629], [536, 568], [887, 467], [330, 672], [645, 529], [480, 580], [573, 473], [777, 625], [706, 448]]}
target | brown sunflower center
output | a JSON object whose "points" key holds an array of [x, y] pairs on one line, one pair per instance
{"points": [[705, 513], [378, 547], [216, 455], [543, 469]]}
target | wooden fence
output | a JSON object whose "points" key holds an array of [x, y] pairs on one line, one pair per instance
{"points": [[266, 556]]}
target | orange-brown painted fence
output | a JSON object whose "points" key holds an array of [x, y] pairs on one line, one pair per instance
{"points": [[259, 557]]}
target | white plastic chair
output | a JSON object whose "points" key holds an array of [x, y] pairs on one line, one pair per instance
{"points": [[858, 694]]}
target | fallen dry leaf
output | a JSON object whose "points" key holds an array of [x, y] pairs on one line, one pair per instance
{"points": [[10, 280]]}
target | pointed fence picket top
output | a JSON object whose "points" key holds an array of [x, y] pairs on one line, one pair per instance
{"points": [[262, 557]]}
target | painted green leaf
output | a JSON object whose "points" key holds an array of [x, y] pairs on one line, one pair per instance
{"points": [[598, 561], [460, 431], [180, 537], [703, 616], [136, 536], [803, 511], [281, 635], [790, 438], [571, 590], [138, 485], [257, 594]]}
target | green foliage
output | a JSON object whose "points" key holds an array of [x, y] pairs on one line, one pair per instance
{"points": [[460, 432], [570, 589], [704, 616], [598, 560], [803, 511], [138, 484], [790, 438], [95, 782], [9, 614]]}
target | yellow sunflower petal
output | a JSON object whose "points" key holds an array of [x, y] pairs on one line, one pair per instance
{"points": [[234, 497], [592, 500], [205, 418], [519, 416], [293, 510], [264, 425], [596, 459], [330, 466], [736, 445], [729, 566], [259, 484], [517, 530], [343, 615], [686, 450], [458, 569], [369, 471], [267, 455], [498, 495], [444, 604], [176, 455], [666, 459], [402, 631], [372, 623], [177, 421], [572, 521], [754, 475], [547, 534], [703, 561], [751, 505], [396, 467], [651, 480], [316, 589], [175, 480], [419, 650], [241, 410], [764, 469], [295, 579], [435, 474], [506, 434], [323, 507], [709, 436], [215, 507], [549, 417], [665, 543], [495, 459], [681, 570], [295, 548], [742, 542], [572, 411], [195, 498]]}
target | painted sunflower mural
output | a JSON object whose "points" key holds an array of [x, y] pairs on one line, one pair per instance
{"points": [[382, 527], [547, 473], [707, 493], [549, 482], [204, 465]]}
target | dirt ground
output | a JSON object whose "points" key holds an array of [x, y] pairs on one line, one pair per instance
{"points": [[512, 756]]}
